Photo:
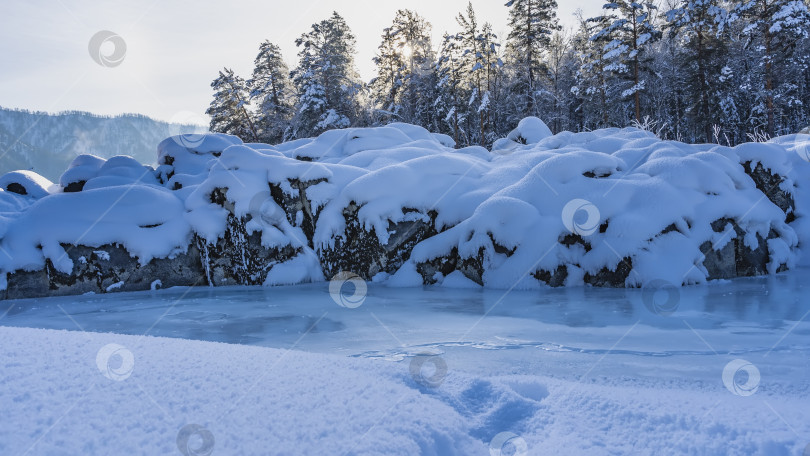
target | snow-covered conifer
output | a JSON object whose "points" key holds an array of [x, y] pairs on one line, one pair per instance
{"points": [[272, 91], [228, 109]]}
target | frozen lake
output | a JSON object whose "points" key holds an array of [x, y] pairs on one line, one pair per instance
{"points": [[479, 331]]}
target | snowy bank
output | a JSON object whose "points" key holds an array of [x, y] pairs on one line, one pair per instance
{"points": [[86, 393], [74, 393], [615, 208]]}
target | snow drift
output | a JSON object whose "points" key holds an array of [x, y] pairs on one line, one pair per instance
{"points": [[66, 394], [614, 207]]}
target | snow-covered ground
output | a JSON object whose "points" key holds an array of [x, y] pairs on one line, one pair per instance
{"points": [[412, 371]]}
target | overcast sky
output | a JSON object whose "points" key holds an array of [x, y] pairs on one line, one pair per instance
{"points": [[174, 48]]}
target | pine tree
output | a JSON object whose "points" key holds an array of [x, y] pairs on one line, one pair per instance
{"points": [[595, 75], [489, 68], [326, 79], [590, 87], [740, 85], [451, 101], [532, 24], [471, 62], [271, 89], [405, 63], [802, 79], [631, 25], [774, 28], [561, 68], [228, 110], [727, 69], [481, 65], [698, 24], [674, 103], [420, 59], [387, 87]]}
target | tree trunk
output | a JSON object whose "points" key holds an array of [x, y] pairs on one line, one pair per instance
{"points": [[455, 129], [246, 115], [769, 83], [530, 63], [704, 96], [636, 64], [482, 141]]}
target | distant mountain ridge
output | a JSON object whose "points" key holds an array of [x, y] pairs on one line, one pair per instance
{"points": [[47, 143]]}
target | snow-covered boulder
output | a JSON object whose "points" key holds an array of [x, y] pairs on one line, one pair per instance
{"points": [[530, 130], [362, 252], [622, 208], [27, 183], [239, 256], [106, 269], [184, 160], [46, 245], [88, 172], [81, 169], [608, 208], [242, 225]]}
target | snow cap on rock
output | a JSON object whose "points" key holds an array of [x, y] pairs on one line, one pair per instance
{"points": [[530, 130], [27, 183]]}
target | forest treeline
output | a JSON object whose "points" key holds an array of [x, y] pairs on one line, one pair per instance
{"points": [[722, 71]]}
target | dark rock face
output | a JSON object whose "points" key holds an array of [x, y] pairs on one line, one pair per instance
{"points": [[554, 279], [106, 269], [165, 169], [722, 263], [74, 187], [770, 185], [611, 278], [571, 240], [298, 203], [360, 251], [443, 265], [473, 267], [14, 187], [238, 258], [735, 259]]}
